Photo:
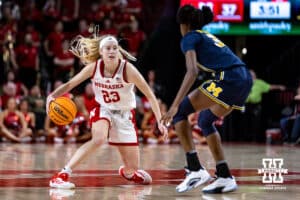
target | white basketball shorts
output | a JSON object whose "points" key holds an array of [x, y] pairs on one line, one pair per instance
{"points": [[122, 130]]}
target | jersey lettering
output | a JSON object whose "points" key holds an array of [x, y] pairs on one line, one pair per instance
{"points": [[217, 42]]}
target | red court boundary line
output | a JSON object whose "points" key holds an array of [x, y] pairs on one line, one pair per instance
{"points": [[235, 172], [102, 178]]}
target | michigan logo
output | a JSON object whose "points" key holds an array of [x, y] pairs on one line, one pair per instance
{"points": [[215, 91]]}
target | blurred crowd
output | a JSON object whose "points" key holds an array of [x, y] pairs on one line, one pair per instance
{"points": [[35, 36]]}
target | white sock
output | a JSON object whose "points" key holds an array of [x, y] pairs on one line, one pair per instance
{"points": [[66, 170]]}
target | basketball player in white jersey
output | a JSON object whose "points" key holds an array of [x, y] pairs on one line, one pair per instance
{"points": [[113, 81]]}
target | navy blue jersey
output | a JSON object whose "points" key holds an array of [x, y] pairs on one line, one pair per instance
{"points": [[211, 53]]}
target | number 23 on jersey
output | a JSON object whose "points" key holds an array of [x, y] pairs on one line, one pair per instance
{"points": [[110, 96]]}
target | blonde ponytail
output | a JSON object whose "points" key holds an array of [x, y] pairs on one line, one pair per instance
{"points": [[127, 54], [87, 49]]}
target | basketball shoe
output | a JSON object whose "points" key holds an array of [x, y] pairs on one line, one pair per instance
{"points": [[57, 193], [221, 185], [139, 176], [60, 180], [193, 179]]}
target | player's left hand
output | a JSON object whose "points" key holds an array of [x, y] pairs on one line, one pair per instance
{"points": [[163, 130], [168, 117], [49, 99]]}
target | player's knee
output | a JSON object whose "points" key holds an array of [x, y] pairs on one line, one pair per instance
{"points": [[97, 141], [97, 138], [185, 108], [206, 122]]}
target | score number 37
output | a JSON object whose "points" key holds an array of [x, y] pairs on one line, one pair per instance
{"points": [[228, 9]]}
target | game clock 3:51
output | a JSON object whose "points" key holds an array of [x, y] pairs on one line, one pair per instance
{"points": [[270, 10]]}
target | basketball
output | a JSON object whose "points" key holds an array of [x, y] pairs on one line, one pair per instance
{"points": [[62, 111]]}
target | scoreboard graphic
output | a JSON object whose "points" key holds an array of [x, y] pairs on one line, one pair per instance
{"points": [[227, 10], [252, 17]]}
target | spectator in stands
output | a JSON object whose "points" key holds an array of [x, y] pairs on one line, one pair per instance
{"points": [[30, 29], [134, 7], [53, 132], [37, 103], [21, 89], [69, 10], [53, 47], [89, 98], [83, 28], [8, 21], [9, 91], [28, 115], [259, 88], [252, 115], [156, 88], [12, 123], [31, 12], [50, 16], [50, 10], [150, 131], [134, 35], [8, 59], [80, 127], [94, 15], [291, 135], [28, 61], [108, 28], [64, 63]]}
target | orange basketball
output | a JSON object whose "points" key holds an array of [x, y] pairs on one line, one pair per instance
{"points": [[62, 111]]}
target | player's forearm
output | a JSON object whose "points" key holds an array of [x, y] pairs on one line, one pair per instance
{"points": [[155, 107], [186, 85], [61, 90]]}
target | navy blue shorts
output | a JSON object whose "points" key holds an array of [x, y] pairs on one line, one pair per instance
{"points": [[229, 88]]}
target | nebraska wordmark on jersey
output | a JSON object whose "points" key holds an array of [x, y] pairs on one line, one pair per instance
{"points": [[114, 93]]}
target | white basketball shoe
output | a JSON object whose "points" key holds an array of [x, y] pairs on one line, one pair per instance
{"points": [[61, 180], [140, 176], [221, 185], [193, 179]]}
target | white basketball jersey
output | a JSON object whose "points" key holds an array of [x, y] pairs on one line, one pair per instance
{"points": [[114, 93]]}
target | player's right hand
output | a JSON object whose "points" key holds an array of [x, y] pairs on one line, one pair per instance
{"points": [[168, 117], [163, 130]]}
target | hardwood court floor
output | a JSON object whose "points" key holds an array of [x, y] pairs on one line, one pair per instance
{"points": [[25, 170]]}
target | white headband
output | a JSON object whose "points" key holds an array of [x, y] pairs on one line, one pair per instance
{"points": [[107, 39]]}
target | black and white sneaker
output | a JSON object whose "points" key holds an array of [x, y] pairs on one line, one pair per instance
{"points": [[221, 185], [193, 179]]}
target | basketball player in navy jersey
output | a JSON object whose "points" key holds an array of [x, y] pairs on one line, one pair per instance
{"points": [[214, 98]]}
